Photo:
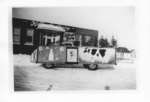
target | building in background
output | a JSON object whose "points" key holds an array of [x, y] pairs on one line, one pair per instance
{"points": [[124, 54], [29, 34]]}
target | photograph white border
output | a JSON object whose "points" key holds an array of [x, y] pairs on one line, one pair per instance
{"points": [[142, 30]]}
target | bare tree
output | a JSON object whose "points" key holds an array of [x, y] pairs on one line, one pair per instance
{"points": [[103, 42], [113, 42]]}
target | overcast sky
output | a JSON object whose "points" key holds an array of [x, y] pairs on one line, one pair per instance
{"points": [[117, 21]]}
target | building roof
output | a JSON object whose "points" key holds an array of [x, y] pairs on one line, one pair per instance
{"points": [[123, 49]]}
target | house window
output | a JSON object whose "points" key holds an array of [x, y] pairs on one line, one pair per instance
{"points": [[87, 39], [16, 35], [69, 36], [29, 37]]}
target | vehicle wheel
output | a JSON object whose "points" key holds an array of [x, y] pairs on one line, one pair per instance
{"points": [[86, 65], [48, 65], [92, 66]]}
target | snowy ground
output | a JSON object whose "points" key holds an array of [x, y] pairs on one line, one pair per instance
{"points": [[33, 77]]}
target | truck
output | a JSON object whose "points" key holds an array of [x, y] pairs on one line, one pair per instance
{"points": [[52, 54]]}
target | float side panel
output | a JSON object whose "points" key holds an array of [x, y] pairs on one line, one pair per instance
{"points": [[97, 55]]}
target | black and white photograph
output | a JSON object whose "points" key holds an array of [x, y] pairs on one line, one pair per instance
{"points": [[74, 48]]}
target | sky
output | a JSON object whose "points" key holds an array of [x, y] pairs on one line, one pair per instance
{"points": [[110, 21]]}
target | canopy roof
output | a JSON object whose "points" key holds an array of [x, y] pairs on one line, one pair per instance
{"points": [[50, 27]]}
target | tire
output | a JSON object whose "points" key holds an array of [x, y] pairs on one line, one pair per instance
{"points": [[92, 66], [48, 65], [86, 65]]}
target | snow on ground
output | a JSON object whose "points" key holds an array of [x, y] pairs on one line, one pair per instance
{"points": [[23, 60], [29, 76]]}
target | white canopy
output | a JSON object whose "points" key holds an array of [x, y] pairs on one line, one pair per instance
{"points": [[50, 27]]}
